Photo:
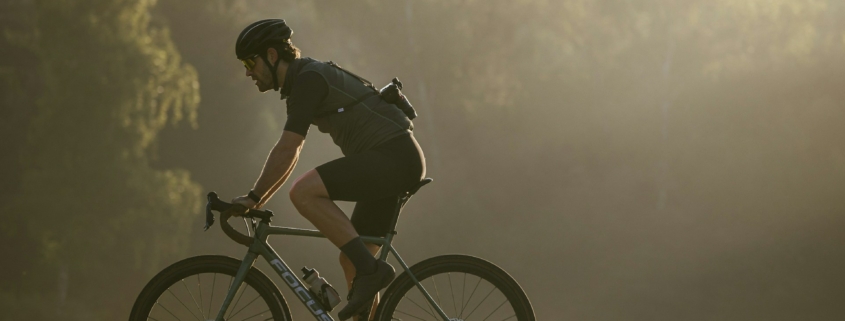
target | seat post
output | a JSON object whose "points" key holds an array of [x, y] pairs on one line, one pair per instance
{"points": [[389, 237], [400, 202], [395, 219]]}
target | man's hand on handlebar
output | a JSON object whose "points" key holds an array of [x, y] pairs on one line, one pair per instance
{"points": [[245, 201]]}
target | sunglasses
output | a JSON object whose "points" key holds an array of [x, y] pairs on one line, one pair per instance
{"points": [[249, 62]]}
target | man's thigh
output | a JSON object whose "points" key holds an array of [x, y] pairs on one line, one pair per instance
{"points": [[372, 218], [367, 176]]}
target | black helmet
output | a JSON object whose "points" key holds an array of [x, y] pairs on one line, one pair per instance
{"points": [[261, 34]]}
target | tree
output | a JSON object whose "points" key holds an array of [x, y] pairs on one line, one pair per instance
{"points": [[101, 216]]}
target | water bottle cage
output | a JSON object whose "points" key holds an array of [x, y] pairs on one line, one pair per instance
{"points": [[329, 302]]}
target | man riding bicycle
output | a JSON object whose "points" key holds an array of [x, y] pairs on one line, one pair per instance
{"points": [[381, 156]]}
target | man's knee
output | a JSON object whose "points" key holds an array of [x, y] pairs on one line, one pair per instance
{"points": [[298, 193], [306, 188]]}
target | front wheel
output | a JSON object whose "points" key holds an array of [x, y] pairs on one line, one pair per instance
{"points": [[194, 289], [463, 286]]}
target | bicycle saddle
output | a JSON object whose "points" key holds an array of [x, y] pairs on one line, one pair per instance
{"points": [[419, 185]]}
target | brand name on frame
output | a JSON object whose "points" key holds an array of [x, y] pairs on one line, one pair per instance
{"points": [[303, 294]]}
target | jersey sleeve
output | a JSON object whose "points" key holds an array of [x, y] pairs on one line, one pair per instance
{"points": [[305, 99]]}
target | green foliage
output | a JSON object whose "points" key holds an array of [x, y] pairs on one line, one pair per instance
{"points": [[112, 81]]}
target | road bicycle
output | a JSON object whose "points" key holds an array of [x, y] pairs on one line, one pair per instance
{"points": [[214, 287]]}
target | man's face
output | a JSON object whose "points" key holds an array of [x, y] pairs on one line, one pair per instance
{"points": [[260, 73]]}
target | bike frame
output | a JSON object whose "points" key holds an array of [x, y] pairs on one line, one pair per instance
{"points": [[261, 247]]}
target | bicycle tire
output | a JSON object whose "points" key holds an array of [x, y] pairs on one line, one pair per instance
{"points": [[440, 269], [197, 268]]}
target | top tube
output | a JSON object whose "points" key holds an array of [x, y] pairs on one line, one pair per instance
{"points": [[281, 230]]}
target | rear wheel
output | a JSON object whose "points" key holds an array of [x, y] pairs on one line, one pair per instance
{"points": [[194, 289], [463, 286]]}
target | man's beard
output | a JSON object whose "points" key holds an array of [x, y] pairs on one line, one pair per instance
{"points": [[264, 87], [265, 82]]}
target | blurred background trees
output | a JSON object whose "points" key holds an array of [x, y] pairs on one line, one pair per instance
{"points": [[638, 160], [90, 215]]}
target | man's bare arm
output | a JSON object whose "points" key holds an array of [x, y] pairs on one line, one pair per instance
{"points": [[279, 165]]}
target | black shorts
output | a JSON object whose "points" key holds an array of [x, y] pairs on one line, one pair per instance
{"points": [[374, 179]]}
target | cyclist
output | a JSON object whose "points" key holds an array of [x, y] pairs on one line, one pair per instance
{"points": [[381, 156]]}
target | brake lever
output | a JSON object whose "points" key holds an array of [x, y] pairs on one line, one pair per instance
{"points": [[209, 216], [215, 204]]}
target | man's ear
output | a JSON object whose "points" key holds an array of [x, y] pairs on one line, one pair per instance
{"points": [[272, 55]]}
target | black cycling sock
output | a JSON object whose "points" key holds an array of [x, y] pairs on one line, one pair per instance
{"points": [[360, 256]]}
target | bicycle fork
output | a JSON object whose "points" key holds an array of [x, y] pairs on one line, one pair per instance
{"points": [[247, 263]]}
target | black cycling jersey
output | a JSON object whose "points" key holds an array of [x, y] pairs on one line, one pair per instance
{"points": [[306, 96], [341, 105]]}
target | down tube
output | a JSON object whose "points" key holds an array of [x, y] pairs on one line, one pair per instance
{"points": [[295, 284]]}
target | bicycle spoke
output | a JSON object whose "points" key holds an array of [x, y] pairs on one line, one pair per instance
{"points": [[168, 311], [183, 304], [236, 302], [437, 292], [508, 318], [471, 294], [192, 298], [149, 317], [497, 309], [482, 301], [247, 305], [255, 315], [202, 303], [463, 287], [421, 308], [452, 291], [229, 309], [211, 300], [410, 315], [427, 304]]}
